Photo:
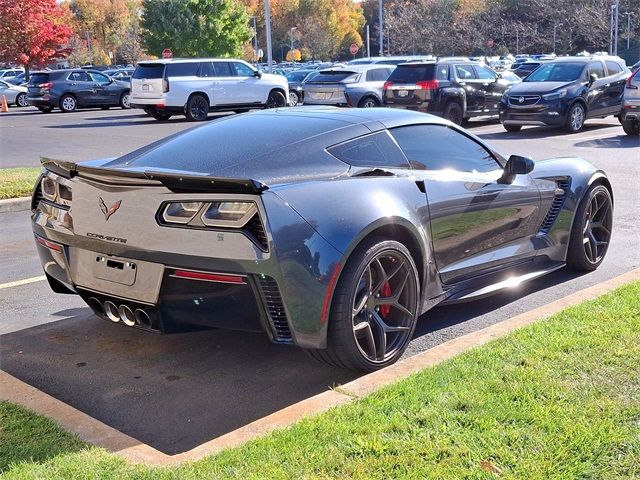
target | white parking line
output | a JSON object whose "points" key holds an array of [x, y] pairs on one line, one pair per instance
{"points": [[25, 281]]}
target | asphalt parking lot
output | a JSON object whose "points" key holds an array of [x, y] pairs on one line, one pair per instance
{"points": [[176, 391]]}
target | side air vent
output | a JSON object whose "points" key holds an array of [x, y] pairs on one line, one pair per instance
{"points": [[37, 196], [255, 229], [556, 206], [275, 309]]}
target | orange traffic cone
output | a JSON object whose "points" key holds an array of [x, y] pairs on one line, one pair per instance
{"points": [[4, 104]]}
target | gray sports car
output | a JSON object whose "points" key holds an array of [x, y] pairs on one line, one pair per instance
{"points": [[329, 229]]}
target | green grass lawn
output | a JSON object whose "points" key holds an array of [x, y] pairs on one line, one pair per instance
{"points": [[17, 182], [557, 400]]}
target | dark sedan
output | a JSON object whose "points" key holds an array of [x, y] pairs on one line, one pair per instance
{"points": [[71, 89], [323, 228], [565, 93]]}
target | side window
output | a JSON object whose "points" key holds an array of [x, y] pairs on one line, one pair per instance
{"points": [[377, 75], [484, 73], [206, 70], [437, 147], [597, 69], [182, 69], [79, 77], [99, 78], [375, 150], [613, 67], [465, 72], [222, 69], [242, 70], [442, 72]]}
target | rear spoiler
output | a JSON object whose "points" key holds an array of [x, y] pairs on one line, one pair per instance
{"points": [[177, 183]]}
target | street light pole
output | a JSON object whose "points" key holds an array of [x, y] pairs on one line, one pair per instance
{"points": [[368, 44], [615, 44], [554, 36], [381, 22], [267, 21], [255, 37], [628, 14], [291, 35]]}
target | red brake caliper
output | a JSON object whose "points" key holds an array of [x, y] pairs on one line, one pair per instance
{"points": [[385, 292]]}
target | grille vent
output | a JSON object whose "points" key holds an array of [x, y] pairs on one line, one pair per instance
{"points": [[556, 207], [275, 309], [255, 229]]}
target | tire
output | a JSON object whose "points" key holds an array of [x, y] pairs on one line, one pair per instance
{"points": [[276, 99], [575, 118], [453, 113], [21, 100], [512, 128], [369, 102], [161, 116], [68, 103], [591, 230], [124, 101], [106, 107], [294, 99], [631, 127], [379, 333], [197, 108], [45, 109]]}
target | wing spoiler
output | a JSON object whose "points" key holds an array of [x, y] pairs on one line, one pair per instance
{"points": [[176, 182]]}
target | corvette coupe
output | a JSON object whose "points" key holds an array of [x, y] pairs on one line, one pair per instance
{"points": [[328, 229]]}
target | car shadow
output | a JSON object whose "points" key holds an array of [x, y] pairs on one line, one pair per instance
{"points": [[621, 141], [173, 391], [542, 132]]}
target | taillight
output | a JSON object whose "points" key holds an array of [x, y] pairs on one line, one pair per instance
{"points": [[165, 85], [428, 84], [387, 85], [629, 85], [45, 85]]}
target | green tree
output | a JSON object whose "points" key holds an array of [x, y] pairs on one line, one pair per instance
{"points": [[193, 28]]}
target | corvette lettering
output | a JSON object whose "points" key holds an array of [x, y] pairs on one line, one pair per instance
{"points": [[107, 238]]}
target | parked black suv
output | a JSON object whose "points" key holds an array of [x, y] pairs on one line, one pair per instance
{"points": [[565, 92], [454, 89], [75, 88]]}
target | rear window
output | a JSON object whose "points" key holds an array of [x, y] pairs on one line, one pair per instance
{"points": [[376, 150], [613, 67], [155, 70], [333, 76], [182, 69], [413, 73], [37, 78]]}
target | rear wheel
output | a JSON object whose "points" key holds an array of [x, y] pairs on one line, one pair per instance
{"points": [[162, 116], [374, 309], [591, 231], [631, 127], [575, 118], [453, 113], [512, 128], [369, 102], [197, 108], [276, 99], [21, 100], [68, 103], [45, 109]]}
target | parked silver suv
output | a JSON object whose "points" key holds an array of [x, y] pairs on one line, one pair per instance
{"points": [[350, 86], [630, 115], [194, 87]]}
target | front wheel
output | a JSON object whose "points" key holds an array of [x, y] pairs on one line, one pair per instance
{"points": [[21, 100], [631, 127], [125, 102], [591, 231], [575, 118], [369, 102], [512, 128], [374, 309], [276, 99], [294, 99], [161, 116], [68, 103], [45, 109]]}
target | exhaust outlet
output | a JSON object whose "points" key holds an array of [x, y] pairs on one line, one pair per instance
{"points": [[95, 305], [142, 318], [111, 311], [126, 315]]}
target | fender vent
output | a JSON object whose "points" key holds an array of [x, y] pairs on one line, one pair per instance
{"points": [[37, 195], [275, 309], [556, 207], [255, 229]]}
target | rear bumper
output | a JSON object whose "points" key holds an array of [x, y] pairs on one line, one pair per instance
{"points": [[631, 110], [45, 101]]}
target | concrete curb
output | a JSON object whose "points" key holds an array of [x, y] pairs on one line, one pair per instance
{"points": [[95, 432], [15, 204]]}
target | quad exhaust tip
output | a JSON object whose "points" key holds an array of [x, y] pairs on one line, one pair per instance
{"points": [[138, 317], [142, 318], [96, 305], [111, 311], [126, 315]]}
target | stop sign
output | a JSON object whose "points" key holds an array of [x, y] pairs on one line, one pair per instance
{"points": [[167, 53], [353, 49]]}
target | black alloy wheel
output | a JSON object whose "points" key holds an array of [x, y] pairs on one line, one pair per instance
{"points": [[375, 307], [276, 99], [369, 102], [512, 128], [591, 231], [197, 108], [453, 113]]}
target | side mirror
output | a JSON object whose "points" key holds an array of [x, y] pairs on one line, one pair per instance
{"points": [[592, 79], [518, 165], [257, 74]]}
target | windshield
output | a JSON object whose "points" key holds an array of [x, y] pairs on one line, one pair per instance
{"points": [[413, 73], [557, 72]]}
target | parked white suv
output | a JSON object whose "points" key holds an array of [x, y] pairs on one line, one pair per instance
{"points": [[194, 87]]}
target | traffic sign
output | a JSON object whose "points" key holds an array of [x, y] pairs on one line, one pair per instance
{"points": [[353, 49], [167, 53]]}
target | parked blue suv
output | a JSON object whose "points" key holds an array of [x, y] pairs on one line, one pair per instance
{"points": [[566, 92]]}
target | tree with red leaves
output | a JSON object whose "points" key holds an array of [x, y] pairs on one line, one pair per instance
{"points": [[32, 32]]}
